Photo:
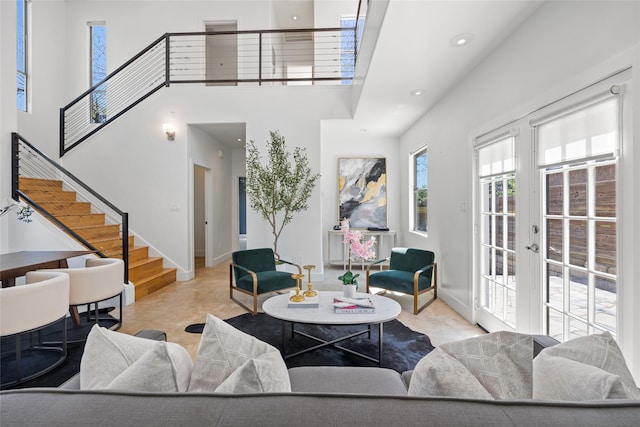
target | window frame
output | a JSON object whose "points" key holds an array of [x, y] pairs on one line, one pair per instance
{"points": [[348, 49], [22, 67], [98, 102], [413, 157]]}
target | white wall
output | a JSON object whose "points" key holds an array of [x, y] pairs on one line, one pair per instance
{"points": [[144, 22], [152, 180], [131, 162], [8, 114], [47, 78], [563, 47], [334, 146]]}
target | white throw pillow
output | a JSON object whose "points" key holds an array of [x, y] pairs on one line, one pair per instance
{"points": [[585, 368], [492, 366], [161, 369], [230, 361], [107, 354]]}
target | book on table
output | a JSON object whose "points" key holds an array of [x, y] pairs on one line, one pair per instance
{"points": [[309, 302], [353, 305]]}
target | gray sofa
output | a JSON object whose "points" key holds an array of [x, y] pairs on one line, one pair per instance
{"points": [[321, 396]]}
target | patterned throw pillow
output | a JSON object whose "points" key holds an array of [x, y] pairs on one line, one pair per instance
{"points": [[585, 368], [161, 369], [492, 366], [230, 361], [108, 354]]}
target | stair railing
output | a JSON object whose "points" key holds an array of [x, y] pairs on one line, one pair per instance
{"points": [[29, 162], [264, 57]]}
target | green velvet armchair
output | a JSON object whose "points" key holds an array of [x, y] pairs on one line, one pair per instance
{"points": [[254, 273], [411, 271]]}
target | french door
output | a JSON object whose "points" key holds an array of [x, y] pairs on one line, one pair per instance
{"points": [[505, 277], [547, 217]]}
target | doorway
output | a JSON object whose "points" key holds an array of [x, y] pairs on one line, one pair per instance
{"points": [[201, 238], [221, 54]]}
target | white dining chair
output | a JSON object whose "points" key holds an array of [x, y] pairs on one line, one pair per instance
{"points": [[41, 302], [99, 280]]}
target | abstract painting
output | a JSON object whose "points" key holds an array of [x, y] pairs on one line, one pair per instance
{"points": [[362, 191]]}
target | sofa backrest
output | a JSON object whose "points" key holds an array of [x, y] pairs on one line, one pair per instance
{"points": [[257, 260]]}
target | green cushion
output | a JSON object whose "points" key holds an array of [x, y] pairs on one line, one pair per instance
{"points": [[410, 259], [268, 281], [403, 264], [399, 281]]}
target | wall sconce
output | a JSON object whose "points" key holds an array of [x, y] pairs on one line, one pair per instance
{"points": [[169, 130]]}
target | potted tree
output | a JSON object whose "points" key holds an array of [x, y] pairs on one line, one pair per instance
{"points": [[278, 188]]}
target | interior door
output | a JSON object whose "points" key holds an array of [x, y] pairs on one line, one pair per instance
{"points": [[222, 55]]}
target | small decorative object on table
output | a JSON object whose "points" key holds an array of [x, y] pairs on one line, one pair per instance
{"points": [[353, 305], [308, 302], [310, 292], [363, 250], [297, 297], [350, 284]]}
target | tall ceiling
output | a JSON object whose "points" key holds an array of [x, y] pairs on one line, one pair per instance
{"points": [[414, 50]]}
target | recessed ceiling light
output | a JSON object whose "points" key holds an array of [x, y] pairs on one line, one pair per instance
{"points": [[294, 17], [461, 39], [239, 139], [417, 92]]}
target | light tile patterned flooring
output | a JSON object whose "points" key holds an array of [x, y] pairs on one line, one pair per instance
{"points": [[606, 304], [174, 307], [605, 310]]}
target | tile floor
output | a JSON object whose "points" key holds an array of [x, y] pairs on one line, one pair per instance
{"points": [[174, 307]]}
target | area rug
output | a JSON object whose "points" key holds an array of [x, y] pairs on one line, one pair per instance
{"points": [[35, 361], [403, 347]]}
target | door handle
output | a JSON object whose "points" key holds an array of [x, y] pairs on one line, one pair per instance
{"points": [[533, 248]]}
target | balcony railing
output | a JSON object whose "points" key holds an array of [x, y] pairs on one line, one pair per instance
{"points": [[229, 58]]}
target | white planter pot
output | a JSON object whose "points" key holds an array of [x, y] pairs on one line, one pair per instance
{"points": [[349, 291]]}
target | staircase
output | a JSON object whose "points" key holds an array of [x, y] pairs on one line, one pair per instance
{"points": [[146, 273]]}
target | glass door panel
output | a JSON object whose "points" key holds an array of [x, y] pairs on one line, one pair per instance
{"points": [[580, 257], [497, 267]]}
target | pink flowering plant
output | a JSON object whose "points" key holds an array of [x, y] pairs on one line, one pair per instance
{"points": [[363, 250]]}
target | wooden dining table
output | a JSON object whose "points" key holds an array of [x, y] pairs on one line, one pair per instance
{"points": [[17, 264]]}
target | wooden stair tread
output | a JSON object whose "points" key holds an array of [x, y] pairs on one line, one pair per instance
{"points": [[143, 262], [154, 282], [164, 272], [108, 239]]}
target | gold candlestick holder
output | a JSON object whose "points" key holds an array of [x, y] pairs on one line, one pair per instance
{"points": [[309, 292], [297, 297]]}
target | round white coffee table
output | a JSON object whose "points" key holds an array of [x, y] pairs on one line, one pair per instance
{"points": [[386, 309]]}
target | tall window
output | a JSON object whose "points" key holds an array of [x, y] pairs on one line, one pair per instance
{"points": [[419, 160], [348, 46], [98, 70], [21, 59]]}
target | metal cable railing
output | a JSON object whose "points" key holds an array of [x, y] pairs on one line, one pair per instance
{"points": [[113, 96], [266, 57], [49, 188]]}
